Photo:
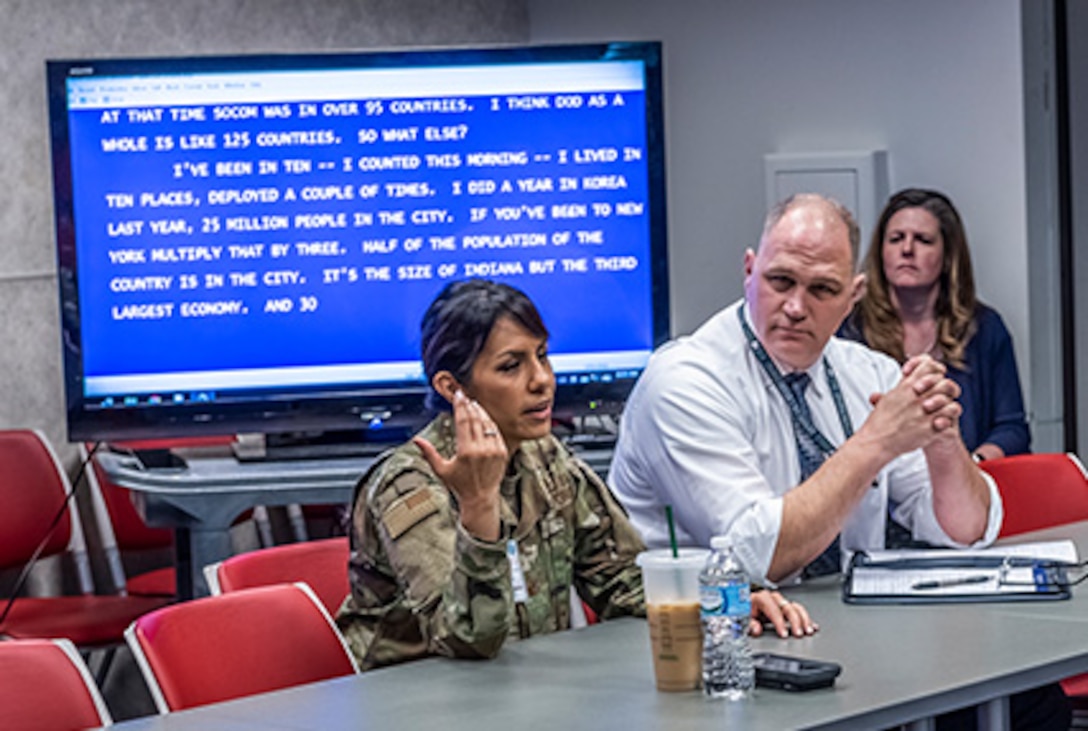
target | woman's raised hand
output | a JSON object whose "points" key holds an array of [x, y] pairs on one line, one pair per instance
{"points": [[474, 473]]}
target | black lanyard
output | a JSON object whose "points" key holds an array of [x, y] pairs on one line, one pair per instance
{"points": [[791, 399]]}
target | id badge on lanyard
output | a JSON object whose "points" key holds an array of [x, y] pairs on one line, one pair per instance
{"points": [[517, 576]]}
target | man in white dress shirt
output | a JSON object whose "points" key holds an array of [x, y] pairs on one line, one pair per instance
{"points": [[711, 429]]}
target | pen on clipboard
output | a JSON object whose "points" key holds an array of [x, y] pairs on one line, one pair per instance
{"points": [[942, 583]]}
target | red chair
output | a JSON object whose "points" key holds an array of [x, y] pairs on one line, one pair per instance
{"points": [[322, 564], [121, 529], [590, 615], [44, 685], [1041, 491], [33, 491], [233, 645]]}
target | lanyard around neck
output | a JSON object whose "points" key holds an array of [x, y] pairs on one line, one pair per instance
{"points": [[790, 398]]}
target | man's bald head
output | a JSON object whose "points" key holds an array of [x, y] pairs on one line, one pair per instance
{"points": [[819, 203]]}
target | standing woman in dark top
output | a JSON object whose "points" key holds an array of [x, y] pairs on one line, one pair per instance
{"points": [[921, 299]]}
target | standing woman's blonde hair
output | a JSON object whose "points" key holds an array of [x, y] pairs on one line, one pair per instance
{"points": [[956, 302]]}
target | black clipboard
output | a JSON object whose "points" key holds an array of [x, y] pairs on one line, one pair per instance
{"points": [[870, 581]]}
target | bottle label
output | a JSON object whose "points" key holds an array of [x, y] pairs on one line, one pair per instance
{"points": [[730, 600]]}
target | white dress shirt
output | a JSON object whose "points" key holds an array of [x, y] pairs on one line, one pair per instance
{"points": [[706, 431]]}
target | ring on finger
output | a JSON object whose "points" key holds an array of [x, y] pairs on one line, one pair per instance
{"points": [[784, 603], [490, 433]]}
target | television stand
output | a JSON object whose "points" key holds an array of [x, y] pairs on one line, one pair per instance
{"points": [[591, 440], [317, 445], [158, 459]]}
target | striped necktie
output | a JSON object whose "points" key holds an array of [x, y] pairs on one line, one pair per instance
{"points": [[811, 457]]}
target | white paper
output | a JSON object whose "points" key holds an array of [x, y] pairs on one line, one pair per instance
{"points": [[878, 581]]}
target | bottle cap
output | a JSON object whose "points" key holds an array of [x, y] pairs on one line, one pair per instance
{"points": [[720, 543]]}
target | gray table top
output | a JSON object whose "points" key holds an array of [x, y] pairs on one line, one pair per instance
{"points": [[900, 663]]}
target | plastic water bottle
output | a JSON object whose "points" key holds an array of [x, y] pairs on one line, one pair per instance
{"points": [[725, 607]]}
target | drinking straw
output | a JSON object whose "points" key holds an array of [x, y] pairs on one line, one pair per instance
{"points": [[672, 531]]}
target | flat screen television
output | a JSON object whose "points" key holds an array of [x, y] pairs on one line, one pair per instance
{"points": [[248, 243]]}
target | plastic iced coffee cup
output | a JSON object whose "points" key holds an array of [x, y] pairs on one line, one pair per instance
{"points": [[671, 586]]}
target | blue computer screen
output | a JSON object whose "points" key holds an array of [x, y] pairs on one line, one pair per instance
{"points": [[245, 230]]}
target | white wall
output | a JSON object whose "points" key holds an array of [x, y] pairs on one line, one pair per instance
{"points": [[937, 83]]}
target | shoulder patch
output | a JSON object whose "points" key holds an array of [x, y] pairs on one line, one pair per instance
{"points": [[407, 510]]}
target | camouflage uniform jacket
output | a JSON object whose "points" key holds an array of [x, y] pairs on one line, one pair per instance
{"points": [[422, 585]]}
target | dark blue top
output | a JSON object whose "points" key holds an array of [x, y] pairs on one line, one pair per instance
{"points": [[993, 405]]}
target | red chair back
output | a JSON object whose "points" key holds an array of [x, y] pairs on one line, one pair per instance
{"points": [[1042, 491], [238, 644], [1039, 490], [32, 490], [44, 684], [322, 564], [130, 530], [122, 529]]}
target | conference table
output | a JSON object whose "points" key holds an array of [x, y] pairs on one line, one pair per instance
{"points": [[201, 497], [901, 665]]}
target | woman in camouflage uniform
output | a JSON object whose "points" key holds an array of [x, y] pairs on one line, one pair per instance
{"points": [[479, 527]]}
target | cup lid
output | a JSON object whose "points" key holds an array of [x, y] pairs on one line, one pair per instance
{"points": [[720, 543], [662, 558]]}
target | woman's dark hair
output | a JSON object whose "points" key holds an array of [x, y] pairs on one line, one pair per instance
{"points": [[458, 323], [956, 300]]}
